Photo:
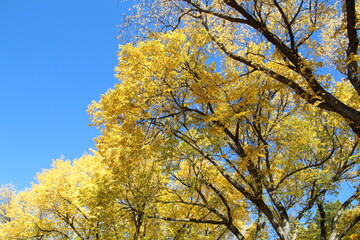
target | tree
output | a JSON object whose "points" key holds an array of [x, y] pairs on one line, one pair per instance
{"points": [[240, 152], [83, 199], [70, 201]]}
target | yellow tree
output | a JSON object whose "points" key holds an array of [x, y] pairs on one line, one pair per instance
{"points": [[84, 199], [241, 155], [70, 201]]}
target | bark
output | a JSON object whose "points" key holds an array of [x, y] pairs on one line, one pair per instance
{"points": [[352, 67]]}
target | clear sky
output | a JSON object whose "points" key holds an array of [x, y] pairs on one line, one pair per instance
{"points": [[55, 58]]}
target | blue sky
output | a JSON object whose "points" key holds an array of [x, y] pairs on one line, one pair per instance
{"points": [[55, 58]]}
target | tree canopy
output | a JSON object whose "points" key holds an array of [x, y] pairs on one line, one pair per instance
{"points": [[231, 120]]}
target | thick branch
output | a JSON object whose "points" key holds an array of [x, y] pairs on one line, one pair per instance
{"points": [[322, 221], [352, 50], [194, 220]]}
